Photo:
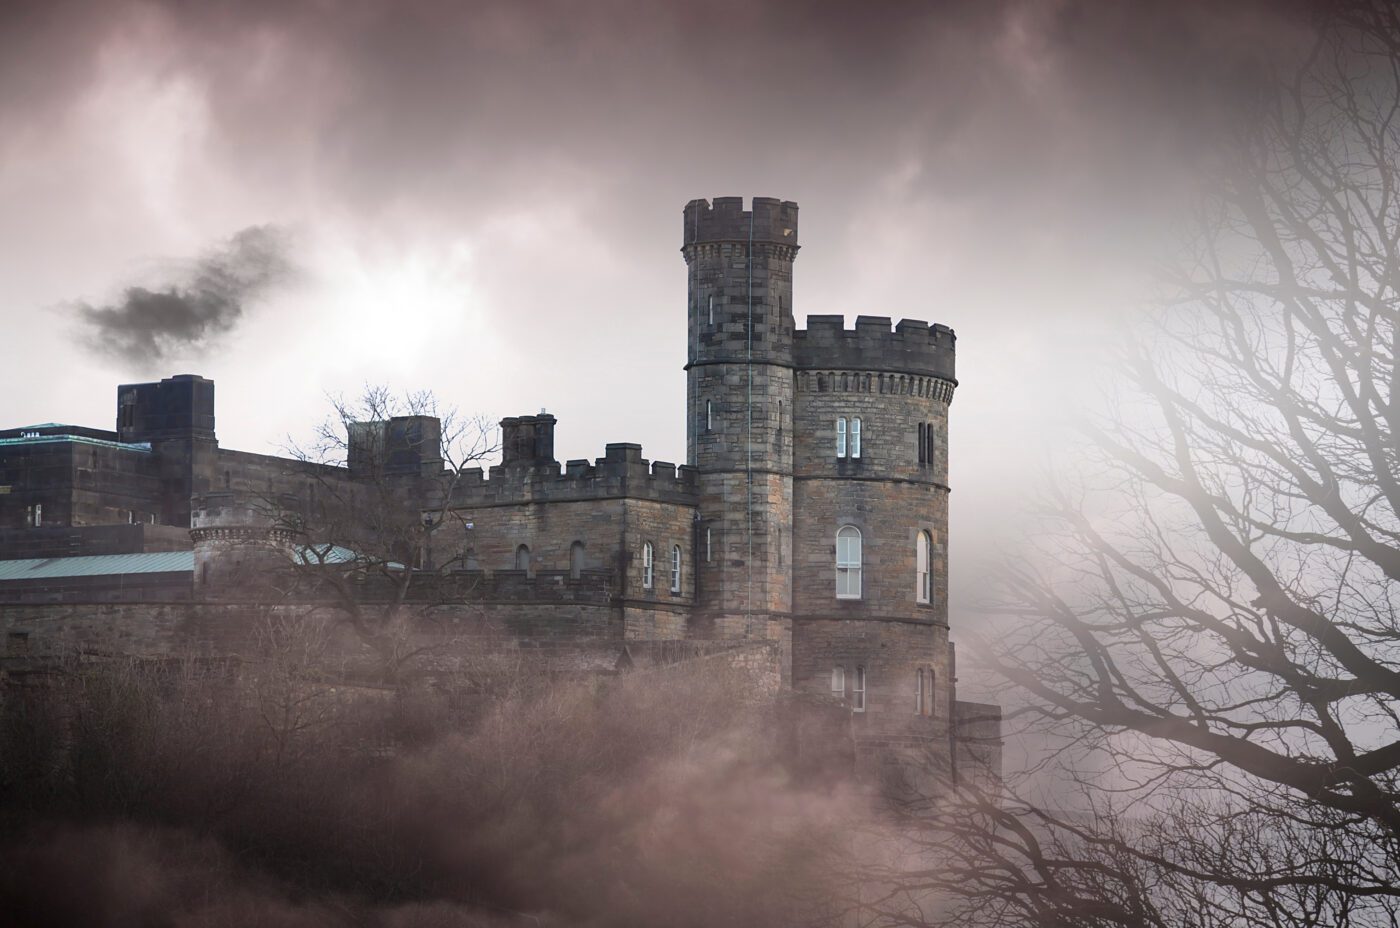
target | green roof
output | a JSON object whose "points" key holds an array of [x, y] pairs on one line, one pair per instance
{"points": [[98, 565], [142, 446]]}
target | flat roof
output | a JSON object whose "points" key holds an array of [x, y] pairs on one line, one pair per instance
{"points": [[96, 565], [144, 446]]}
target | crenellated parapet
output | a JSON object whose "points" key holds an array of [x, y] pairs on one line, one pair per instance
{"points": [[912, 348], [622, 473], [769, 222]]}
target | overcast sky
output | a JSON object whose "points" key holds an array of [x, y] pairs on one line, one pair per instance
{"points": [[484, 198]]}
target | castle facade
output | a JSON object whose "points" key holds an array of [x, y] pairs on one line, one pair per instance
{"points": [[811, 514]]}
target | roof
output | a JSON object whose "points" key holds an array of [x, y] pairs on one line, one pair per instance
{"points": [[143, 446], [97, 565]]}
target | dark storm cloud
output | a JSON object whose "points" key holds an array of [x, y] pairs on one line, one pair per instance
{"points": [[1051, 109], [150, 325]]}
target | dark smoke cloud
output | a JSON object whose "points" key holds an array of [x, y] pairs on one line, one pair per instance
{"points": [[152, 325]]}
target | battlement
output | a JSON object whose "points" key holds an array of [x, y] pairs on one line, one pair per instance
{"points": [[912, 347], [726, 220], [622, 472]]}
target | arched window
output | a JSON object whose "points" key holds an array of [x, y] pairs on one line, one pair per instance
{"points": [[647, 566], [841, 436], [576, 559], [838, 682], [855, 437], [522, 558], [848, 562], [923, 559], [858, 691], [923, 457], [675, 568]]}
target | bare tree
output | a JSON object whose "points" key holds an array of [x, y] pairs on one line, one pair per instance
{"points": [[1211, 623], [364, 535]]}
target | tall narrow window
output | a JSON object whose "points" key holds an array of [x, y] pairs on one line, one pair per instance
{"points": [[838, 682], [709, 416], [928, 442], [648, 568], [923, 558], [858, 691], [841, 436], [919, 691], [712, 309], [928, 692], [848, 562], [923, 457], [855, 437], [675, 568], [780, 417], [576, 559], [35, 515], [709, 545], [522, 558]]}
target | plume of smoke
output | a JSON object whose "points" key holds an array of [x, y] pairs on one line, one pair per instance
{"points": [[188, 316]]}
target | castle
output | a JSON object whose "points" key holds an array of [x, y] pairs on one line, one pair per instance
{"points": [[810, 519]]}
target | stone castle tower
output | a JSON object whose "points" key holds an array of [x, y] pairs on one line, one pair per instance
{"points": [[822, 471]]}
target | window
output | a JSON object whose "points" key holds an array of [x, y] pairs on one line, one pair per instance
{"points": [[923, 557], [858, 691], [522, 558], [841, 437], [712, 309], [709, 416], [675, 568], [855, 438], [34, 515], [928, 442], [924, 704], [848, 563], [919, 692], [131, 517], [838, 682], [647, 573], [923, 456], [780, 417], [576, 559], [709, 549]]}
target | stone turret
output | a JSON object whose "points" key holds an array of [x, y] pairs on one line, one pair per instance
{"points": [[242, 544], [740, 392]]}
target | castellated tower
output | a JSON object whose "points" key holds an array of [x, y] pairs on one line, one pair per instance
{"points": [[241, 546], [822, 467], [740, 399]]}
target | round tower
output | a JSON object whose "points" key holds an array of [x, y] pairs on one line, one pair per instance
{"points": [[740, 404], [242, 545], [870, 521]]}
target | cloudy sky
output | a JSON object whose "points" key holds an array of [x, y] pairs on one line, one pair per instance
{"points": [[484, 198]]}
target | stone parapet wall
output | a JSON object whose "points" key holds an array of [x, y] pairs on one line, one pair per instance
{"points": [[913, 348]]}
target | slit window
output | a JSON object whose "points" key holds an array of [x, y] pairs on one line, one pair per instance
{"points": [[923, 557], [648, 568]]}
